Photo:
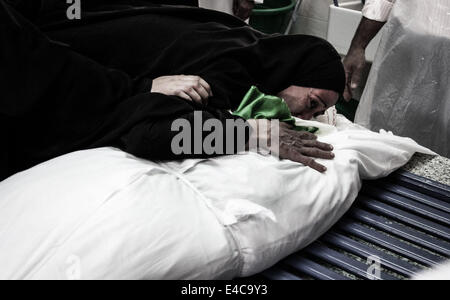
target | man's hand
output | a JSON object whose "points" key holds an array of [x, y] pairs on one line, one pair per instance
{"points": [[354, 64], [355, 61], [297, 146], [191, 88], [243, 8]]}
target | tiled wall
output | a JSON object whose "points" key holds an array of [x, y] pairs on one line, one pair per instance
{"points": [[313, 17]]}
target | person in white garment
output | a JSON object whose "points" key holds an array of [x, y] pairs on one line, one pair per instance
{"points": [[240, 8], [408, 88], [375, 15]]}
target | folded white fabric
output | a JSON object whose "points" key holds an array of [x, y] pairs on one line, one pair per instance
{"points": [[104, 214], [378, 10], [441, 272]]}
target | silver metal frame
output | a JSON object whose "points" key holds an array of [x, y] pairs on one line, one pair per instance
{"points": [[294, 16]]}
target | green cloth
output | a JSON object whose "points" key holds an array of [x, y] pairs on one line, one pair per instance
{"points": [[257, 105]]}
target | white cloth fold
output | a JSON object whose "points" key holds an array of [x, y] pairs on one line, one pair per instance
{"points": [[378, 10]]}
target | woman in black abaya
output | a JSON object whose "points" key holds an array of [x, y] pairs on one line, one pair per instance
{"points": [[102, 81]]}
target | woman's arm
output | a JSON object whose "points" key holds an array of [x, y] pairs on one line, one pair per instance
{"points": [[191, 88]]}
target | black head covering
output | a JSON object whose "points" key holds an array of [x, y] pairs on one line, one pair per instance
{"points": [[232, 57], [308, 62]]}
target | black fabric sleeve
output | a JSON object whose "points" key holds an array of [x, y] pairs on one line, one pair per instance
{"points": [[152, 138], [28, 9], [37, 72], [55, 101]]}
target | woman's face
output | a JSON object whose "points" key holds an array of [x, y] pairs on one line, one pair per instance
{"points": [[306, 103]]}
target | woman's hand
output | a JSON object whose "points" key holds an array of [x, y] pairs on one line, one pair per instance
{"points": [[191, 88], [303, 147], [243, 8], [298, 146]]}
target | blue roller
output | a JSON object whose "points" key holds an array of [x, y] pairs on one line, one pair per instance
{"points": [[349, 264], [364, 251], [405, 215], [385, 241], [277, 273], [312, 269], [403, 232], [422, 185], [414, 195], [410, 205]]}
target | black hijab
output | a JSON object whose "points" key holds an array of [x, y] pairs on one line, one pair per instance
{"points": [[233, 58]]}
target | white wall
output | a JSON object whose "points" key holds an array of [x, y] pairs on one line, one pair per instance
{"points": [[313, 17]]}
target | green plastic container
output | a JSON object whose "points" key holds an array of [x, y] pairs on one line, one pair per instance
{"points": [[273, 16]]}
